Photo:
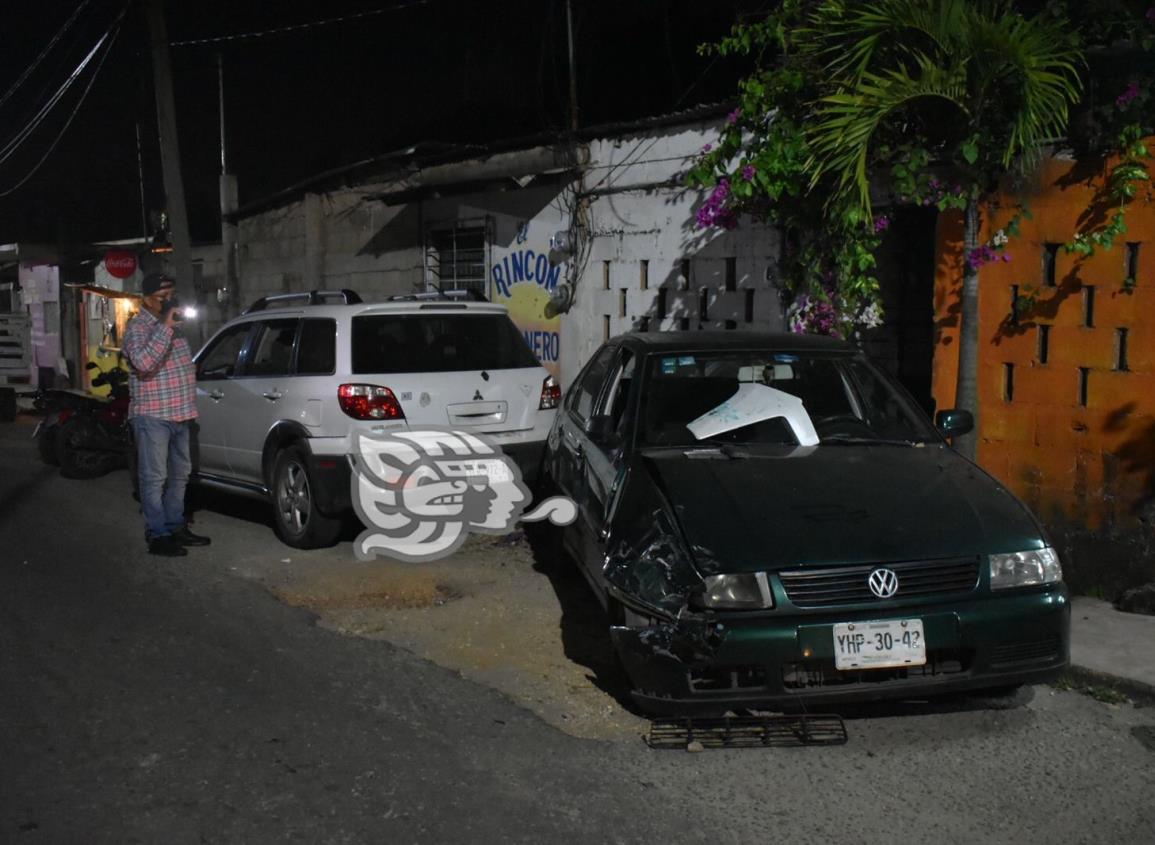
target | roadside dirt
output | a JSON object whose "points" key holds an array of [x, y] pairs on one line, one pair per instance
{"points": [[496, 612]]}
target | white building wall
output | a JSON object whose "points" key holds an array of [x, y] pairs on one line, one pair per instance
{"points": [[641, 216], [637, 213]]}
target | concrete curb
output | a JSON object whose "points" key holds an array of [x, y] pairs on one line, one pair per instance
{"points": [[1137, 691]]}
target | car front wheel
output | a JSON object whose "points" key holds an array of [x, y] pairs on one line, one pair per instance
{"points": [[296, 518]]}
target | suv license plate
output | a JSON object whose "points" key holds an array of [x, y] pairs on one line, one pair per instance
{"points": [[879, 645]]}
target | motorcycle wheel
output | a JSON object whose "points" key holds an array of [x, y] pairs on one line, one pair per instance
{"points": [[75, 460], [46, 444]]}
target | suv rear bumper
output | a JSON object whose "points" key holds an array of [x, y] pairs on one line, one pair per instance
{"points": [[332, 473]]}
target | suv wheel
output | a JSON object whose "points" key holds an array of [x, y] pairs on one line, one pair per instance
{"points": [[297, 520]]}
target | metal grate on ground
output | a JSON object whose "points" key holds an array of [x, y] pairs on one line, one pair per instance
{"points": [[748, 732]]}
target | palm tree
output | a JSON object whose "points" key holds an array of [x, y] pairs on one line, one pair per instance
{"points": [[982, 87]]}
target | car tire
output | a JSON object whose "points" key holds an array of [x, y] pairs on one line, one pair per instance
{"points": [[295, 516]]}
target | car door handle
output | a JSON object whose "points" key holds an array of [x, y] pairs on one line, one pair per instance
{"points": [[272, 395], [216, 395], [574, 445]]}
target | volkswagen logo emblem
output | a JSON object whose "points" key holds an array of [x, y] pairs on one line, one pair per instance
{"points": [[883, 583]]}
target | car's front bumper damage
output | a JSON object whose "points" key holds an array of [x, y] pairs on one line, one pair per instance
{"points": [[683, 658], [782, 660]]}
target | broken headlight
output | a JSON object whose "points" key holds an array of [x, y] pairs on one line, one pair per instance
{"points": [[747, 591], [1025, 569]]}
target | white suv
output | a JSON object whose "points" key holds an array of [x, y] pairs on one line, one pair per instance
{"points": [[283, 390]]}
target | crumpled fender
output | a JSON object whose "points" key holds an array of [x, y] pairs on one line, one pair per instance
{"points": [[648, 567]]}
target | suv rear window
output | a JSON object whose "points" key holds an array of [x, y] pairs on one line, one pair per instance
{"points": [[438, 343]]}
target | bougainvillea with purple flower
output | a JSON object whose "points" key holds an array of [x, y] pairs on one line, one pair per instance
{"points": [[1130, 93], [715, 211]]}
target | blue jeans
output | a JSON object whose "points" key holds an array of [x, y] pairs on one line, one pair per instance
{"points": [[162, 449]]}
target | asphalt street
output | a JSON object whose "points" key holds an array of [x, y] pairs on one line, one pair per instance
{"points": [[155, 700]]}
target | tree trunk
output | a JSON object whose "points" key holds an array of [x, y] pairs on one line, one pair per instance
{"points": [[967, 394]]}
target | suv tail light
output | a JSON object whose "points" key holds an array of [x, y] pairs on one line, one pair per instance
{"points": [[550, 394], [369, 402]]}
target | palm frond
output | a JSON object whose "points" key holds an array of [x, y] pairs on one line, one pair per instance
{"points": [[850, 38], [1030, 71], [1012, 78], [846, 121]]}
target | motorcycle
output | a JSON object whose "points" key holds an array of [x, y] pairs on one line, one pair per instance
{"points": [[85, 435]]}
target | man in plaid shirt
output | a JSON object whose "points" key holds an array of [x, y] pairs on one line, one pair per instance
{"points": [[163, 407]]}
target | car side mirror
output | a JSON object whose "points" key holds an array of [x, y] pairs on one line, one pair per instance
{"points": [[953, 422], [601, 430]]}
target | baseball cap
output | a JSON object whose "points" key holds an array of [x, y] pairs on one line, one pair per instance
{"points": [[154, 282]]}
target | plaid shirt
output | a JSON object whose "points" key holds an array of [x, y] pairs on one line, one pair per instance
{"points": [[163, 381]]}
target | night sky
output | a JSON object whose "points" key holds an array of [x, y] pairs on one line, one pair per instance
{"points": [[320, 96]]}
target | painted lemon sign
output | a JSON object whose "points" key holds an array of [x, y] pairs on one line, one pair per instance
{"points": [[523, 281]]}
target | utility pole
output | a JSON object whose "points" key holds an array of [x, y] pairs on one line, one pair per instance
{"points": [[228, 187], [170, 154], [140, 172], [573, 106]]}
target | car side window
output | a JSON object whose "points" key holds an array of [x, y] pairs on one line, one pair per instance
{"points": [[591, 383], [271, 353], [317, 349], [614, 402], [220, 359]]}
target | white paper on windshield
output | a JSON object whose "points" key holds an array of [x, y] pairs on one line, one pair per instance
{"points": [[754, 403]]}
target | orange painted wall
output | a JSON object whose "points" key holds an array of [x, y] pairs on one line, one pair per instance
{"points": [[1082, 464]]}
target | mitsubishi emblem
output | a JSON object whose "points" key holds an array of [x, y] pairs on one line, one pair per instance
{"points": [[883, 583], [477, 397]]}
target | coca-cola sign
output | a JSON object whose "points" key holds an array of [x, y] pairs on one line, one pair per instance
{"points": [[120, 263]]}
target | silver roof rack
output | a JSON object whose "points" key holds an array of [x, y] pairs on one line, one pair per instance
{"points": [[306, 297], [465, 294]]}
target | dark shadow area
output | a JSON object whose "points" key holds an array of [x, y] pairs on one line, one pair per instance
{"points": [[1088, 170], [904, 344], [950, 265], [1136, 455], [584, 624], [924, 705], [252, 510], [1044, 308], [1120, 555], [407, 227], [1011, 699]]}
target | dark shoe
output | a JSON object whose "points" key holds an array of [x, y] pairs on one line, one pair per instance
{"points": [[187, 538], [166, 545]]}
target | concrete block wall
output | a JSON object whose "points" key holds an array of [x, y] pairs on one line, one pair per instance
{"points": [[1067, 386], [324, 242], [648, 266]]}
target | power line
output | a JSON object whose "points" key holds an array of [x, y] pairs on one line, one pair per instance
{"points": [[28, 70], [280, 30], [110, 36], [38, 118]]}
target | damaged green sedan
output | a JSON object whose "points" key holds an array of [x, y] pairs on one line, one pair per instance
{"points": [[771, 522]]}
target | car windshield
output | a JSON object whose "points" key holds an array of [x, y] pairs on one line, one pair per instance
{"points": [[438, 343], [847, 400]]}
